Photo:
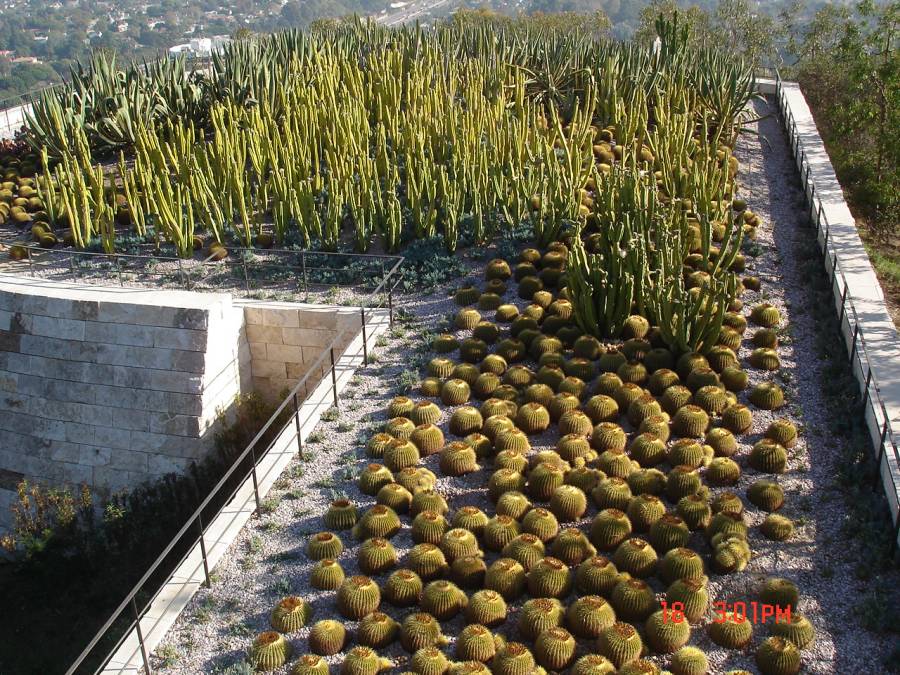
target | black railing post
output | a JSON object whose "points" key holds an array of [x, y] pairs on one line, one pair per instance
{"points": [[362, 316], [203, 550], [118, 270], [334, 390], [72, 267], [391, 305], [853, 344], [297, 425], [884, 430], [140, 636], [253, 473], [181, 273], [896, 535], [843, 310], [305, 278], [246, 273], [30, 261], [865, 400]]}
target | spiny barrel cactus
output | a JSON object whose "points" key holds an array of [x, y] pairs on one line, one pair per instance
{"points": [[768, 456], [458, 459], [568, 503], [513, 658], [468, 572], [324, 545], [596, 576], [379, 521], [424, 412], [778, 656], [572, 546], [443, 599], [681, 563], [429, 661], [290, 614], [486, 607], [401, 454], [779, 592], [341, 515], [589, 615], [796, 628], [766, 494], [327, 637], [373, 478], [310, 664], [327, 575], [403, 588], [777, 527], [377, 630], [427, 560], [729, 633], [427, 438], [395, 496], [636, 557], [459, 543], [782, 432], [665, 635], [633, 599], [362, 660], [695, 511], [620, 643], [358, 596], [691, 592], [689, 661], [541, 523], [612, 493], [507, 577], [593, 664], [476, 643], [555, 648], [421, 630], [767, 395], [270, 650], [376, 555], [669, 532]]}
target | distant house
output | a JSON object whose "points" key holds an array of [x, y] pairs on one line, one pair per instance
{"points": [[199, 47]]}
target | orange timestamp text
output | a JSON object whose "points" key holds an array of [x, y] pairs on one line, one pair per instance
{"points": [[739, 612]]}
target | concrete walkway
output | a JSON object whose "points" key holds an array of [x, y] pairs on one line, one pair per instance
{"points": [[222, 531], [868, 330]]}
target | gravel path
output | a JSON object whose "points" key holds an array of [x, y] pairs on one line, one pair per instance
{"points": [[268, 561]]}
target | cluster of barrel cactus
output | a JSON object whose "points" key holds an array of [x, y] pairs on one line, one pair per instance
{"points": [[638, 496]]}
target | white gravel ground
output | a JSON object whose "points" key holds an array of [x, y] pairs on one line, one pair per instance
{"points": [[268, 561]]}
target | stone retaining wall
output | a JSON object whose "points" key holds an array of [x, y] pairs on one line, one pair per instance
{"points": [[111, 386], [286, 339]]}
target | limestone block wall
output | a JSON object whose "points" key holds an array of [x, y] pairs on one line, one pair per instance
{"points": [[109, 386], [286, 339]]}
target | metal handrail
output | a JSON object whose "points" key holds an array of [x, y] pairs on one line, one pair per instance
{"points": [[871, 390], [389, 282]]}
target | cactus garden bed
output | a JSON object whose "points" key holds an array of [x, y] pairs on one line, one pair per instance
{"points": [[535, 518]]}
